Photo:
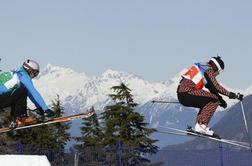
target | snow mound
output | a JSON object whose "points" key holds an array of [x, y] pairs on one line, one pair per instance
{"points": [[24, 160]]}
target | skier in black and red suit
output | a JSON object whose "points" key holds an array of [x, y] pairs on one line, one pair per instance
{"points": [[190, 92]]}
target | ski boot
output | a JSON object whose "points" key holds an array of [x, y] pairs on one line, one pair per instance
{"points": [[23, 121], [203, 129]]}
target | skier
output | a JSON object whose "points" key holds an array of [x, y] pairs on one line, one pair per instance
{"points": [[15, 86], [190, 92]]}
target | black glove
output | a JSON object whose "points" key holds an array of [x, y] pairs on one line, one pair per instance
{"points": [[39, 111], [238, 96], [223, 103], [49, 113]]}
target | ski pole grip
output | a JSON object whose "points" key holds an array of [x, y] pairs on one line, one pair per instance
{"points": [[239, 96]]}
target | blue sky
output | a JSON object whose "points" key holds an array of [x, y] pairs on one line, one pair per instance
{"points": [[153, 39]]}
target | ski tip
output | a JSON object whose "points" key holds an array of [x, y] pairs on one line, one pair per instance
{"points": [[189, 127], [216, 136], [91, 112], [189, 130]]}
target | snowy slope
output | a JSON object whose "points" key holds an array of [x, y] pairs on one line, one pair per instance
{"points": [[24, 160], [78, 92]]}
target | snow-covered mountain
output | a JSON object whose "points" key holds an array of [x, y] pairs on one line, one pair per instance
{"points": [[79, 92]]}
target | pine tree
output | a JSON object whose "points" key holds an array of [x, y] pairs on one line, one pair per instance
{"points": [[33, 138], [28, 137], [124, 125], [52, 137], [6, 144], [91, 132], [90, 140], [60, 129]]}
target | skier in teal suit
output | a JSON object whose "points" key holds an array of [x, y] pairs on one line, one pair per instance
{"points": [[15, 86]]}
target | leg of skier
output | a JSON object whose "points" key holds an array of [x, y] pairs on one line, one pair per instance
{"points": [[206, 102], [207, 112], [19, 103], [17, 100]]}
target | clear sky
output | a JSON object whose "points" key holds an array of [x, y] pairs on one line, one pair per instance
{"points": [[154, 39]]}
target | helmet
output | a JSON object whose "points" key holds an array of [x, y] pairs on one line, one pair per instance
{"points": [[32, 67], [217, 64]]}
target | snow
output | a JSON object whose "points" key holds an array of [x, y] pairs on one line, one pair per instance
{"points": [[78, 89], [24, 160], [79, 92]]}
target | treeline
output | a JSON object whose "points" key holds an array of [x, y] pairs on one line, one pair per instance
{"points": [[118, 130]]}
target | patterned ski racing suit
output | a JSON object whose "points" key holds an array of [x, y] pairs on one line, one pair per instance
{"points": [[206, 101]]}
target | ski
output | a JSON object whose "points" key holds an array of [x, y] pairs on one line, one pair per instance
{"points": [[191, 130], [195, 134], [51, 121]]}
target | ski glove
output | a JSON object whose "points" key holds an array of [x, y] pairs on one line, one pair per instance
{"points": [[222, 103], [49, 113], [238, 96]]}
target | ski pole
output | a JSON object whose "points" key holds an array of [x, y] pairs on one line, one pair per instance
{"points": [[167, 102], [246, 124]]}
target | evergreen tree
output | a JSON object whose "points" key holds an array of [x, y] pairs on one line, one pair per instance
{"points": [[89, 146], [91, 132], [31, 138], [53, 137], [6, 144], [124, 125], [60, 129]]}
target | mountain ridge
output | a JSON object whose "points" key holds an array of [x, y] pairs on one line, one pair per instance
{"points": [[78, 92], [67, 82]]}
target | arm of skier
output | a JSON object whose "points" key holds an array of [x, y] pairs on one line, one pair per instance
{"points": [[2, 89], [216, 88], [213, 83], [34, 95]]}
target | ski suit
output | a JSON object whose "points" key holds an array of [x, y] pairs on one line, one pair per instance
{"points": [[190, 91], [15, 86]]}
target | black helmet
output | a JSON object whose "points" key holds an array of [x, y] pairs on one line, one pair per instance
{"points": [[217, 64]]}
